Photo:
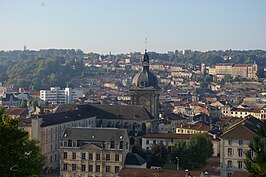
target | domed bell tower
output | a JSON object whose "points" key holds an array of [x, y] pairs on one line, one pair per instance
{"points": [[144, 89]]}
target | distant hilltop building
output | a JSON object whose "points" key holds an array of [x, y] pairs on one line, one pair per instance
{"points": [[243, 70], [144, 89]]}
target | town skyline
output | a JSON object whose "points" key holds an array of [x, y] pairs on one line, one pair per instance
{"points": [[122, 26]]}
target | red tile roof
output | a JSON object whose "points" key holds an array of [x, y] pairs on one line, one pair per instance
{"points": [[168, 136], [240, 174], [146, 172], [16, 111], [199, 126]]}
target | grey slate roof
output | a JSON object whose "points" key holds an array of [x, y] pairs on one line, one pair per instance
{"points": [[65, 107], [134, 159], [94, 134], [245, 129], [126, 112], [62, 117]]}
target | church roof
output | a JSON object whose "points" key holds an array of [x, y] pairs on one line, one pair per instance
{"points": [[126, 112], [145, 78]]}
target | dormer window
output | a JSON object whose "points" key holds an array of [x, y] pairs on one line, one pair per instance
{"points": [[142, 84], [112, 145]]}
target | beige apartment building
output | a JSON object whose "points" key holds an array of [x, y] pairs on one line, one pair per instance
{"points": [[244, 70], [49, 128], [234, 142], [97, 152], [242, 112], [168, 139]]}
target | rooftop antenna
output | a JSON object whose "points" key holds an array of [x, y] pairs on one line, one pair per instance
{"points": [[146, 43]]}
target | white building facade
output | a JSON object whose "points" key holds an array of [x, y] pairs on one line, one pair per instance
{"points": [[56, 95]]}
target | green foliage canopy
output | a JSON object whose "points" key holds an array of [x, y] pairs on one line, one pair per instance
{"points": [[255, 161], [19, 155], [194, 153]]}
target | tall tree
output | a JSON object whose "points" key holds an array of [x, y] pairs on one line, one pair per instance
{"points": [[19, 155], [255, 161], [23, 104], [182, 152], [201, 148], [158, 155], [194, 153]]}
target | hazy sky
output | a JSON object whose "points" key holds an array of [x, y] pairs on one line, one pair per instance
{"points": [[121, 26]]}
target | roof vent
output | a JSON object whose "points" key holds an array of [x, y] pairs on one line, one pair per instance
{"points": [[121, 137], [93, 137], [65, 135]]}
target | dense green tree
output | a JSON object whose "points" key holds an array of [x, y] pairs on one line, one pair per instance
{"points": [[19, 155], [194, 153], [201, 149], [255, 161], [158, 155], [182, 152], [228, 78], [23, 104], [34, 104]]}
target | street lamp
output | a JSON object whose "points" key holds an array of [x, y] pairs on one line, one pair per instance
{"points": [[177, 163]]}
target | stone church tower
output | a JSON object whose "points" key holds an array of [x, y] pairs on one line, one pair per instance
{"points": [[144, 89]]}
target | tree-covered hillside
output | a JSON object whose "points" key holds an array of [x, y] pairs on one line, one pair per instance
{"points": [[55, 67]]}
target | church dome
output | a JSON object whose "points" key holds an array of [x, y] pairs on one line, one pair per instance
{"points": [[145, 78]]}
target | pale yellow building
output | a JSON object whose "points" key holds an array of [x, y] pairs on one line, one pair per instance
{"points": [[234, 142], [244, 70], [193, 128], [49, 128], [242, 112], [98, 152]]}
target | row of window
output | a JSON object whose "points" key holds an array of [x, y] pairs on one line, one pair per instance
{"points": [[90, 168], [78, 143], [90, 156], [240, 142], [230, 152], [239, 164]]}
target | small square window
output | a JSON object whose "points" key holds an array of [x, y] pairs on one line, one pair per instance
{"points": [[98, 156], [65, 155], [90, 168], [83, 156], [116, 157], [98, 168], [74, 156], [65, 167], [107, 169], [83, 167], [107, 157], [117, 169], [74, 167], [90, 156]]}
